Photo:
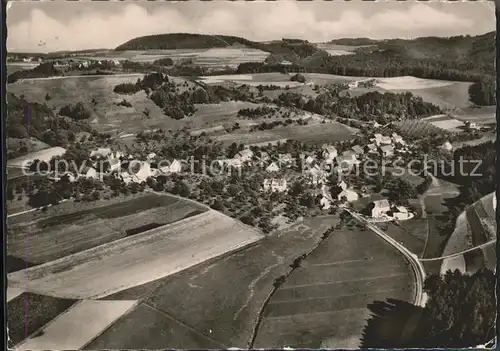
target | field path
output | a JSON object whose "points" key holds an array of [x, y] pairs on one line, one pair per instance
{"points": [[81, 76]]}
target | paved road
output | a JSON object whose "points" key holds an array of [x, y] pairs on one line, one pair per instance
{"points": [[412, 258]]}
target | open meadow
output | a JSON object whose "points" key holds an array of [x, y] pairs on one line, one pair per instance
{"points": [[41, 240], [138, 259], [66, 331], [326, 297], [317, 133], [220, 299]]}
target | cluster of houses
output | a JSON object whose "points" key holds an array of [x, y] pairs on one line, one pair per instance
{"points": [[386, 145], [84, 64], [126, 168]]}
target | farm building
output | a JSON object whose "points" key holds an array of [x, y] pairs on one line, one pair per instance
{"points": [[43, 155], [151, 156], [285, 63], [230, 162], [273, 167], [275, 185], [348, 195], [378, 208], [387, 150]]}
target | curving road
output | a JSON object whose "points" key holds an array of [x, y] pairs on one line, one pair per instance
{"points": [[415, 263]]}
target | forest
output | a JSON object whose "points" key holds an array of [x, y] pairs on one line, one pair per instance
{"points": [[460, 313]]}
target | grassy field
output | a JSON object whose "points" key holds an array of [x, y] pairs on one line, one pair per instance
{"points": [[446, 123], [411, 233], [29, 312], [312, 133], [41, 240], [482, 115], [138, 259], [65, 332], [327, 296], [147, 328], [223, 308], [475, 226]]}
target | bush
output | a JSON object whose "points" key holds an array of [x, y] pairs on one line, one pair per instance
{"points": [[298, 78], [127, 88], [77, 112]]}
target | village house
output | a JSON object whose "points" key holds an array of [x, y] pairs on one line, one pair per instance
{"points": [[275, 185], [346, 161], [101, 152], [371, 149], [358, 150], [325, 203], [230, 162], [273, 167], [174, 167], [348, 195], [111, 165], [316, 175], [285, 159], [310, 160], [151, 156], [380, 139], [379, 208], [447, 146], [329, 153], [89, 172], [285, 63], [244, 155], [143, 172], [387, 150], [397, 139]]}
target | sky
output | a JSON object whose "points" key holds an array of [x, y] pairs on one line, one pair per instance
{"points": [[53, 26]]}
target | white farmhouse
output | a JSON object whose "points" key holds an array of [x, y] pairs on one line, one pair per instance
{"points": [[329, 153], [273, 167], [316, 175], [285, 159], [379, 208], [325, 203], [89, 172]]}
